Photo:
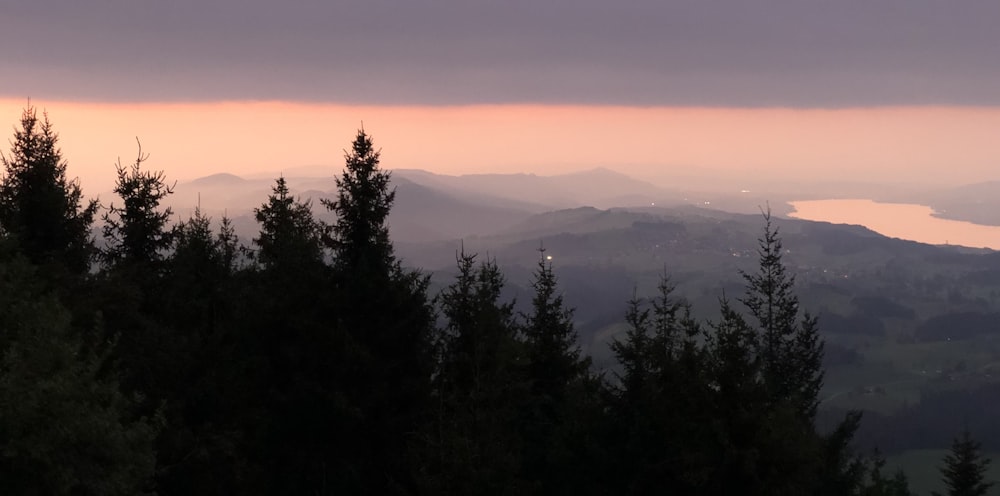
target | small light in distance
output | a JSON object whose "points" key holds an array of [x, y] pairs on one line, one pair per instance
{"points": [[548, 257]]}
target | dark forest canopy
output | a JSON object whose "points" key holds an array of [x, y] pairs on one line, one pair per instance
{"points": [[309, 360]]}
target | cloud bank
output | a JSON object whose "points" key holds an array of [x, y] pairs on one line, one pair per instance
{"points": [[453, 52]]}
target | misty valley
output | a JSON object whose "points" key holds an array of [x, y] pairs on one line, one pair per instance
{"points": [[360, 330]]}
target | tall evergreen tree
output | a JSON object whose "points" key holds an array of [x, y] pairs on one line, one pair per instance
{"points": [[790, 350], [292, 354], [738, 406], [136, 232], [879, 485], [137, 237], [39, 206], [965, 468], [290, 237], [634, 355], [766, 378], [474, 446], [65, 428], [660, 399], [553, 354], [198, 449], [361, 234], [557, 421], [385, 320]]}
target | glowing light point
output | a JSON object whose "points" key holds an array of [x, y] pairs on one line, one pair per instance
{"points": [[548, 257]]}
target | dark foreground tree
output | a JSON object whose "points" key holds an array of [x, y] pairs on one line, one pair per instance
{"points": [[40, 208], [385, 320], [964, 470], [290, 238], [766, 374], [789, 349], [877, 484], [198, 451], [562, 409], [295, 417], [659, 398], [64, 429], [473, 444], [136, 232]]}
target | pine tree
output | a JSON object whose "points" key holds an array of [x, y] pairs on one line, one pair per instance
{"points": [[557, 423], [65, 427], [197, 451], [790, 351], [965, 468], [39, 207], [737, 403], [475, 445], [290, 238], [878, 485], [136, 233], [766, 378], [291, 352], [361, 235], [634, 356], [553, 355], [385, 322], [137, 239]]}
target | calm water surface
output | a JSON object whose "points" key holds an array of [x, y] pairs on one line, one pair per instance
{"points": [[899, 220]]}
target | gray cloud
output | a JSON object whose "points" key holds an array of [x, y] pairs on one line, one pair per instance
{"points": [[700, 52]]}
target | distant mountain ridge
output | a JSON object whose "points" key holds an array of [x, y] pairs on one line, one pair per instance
{"points": [[601, 188], [431, 206]]}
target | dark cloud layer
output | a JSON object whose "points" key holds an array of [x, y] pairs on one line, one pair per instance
{"points": [[698, 52]]}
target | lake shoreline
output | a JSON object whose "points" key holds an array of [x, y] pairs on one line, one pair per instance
{"points": [[914, 222]]}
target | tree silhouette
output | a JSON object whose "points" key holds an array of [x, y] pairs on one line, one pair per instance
{"points": [[474, 444], [39, 207], [136, 232], [790, 351], [964, 470], [290, 238], [65, 428], [556, 416], [385, 322]]}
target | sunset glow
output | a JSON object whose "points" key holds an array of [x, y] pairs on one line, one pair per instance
{"points": [[934, 145]]}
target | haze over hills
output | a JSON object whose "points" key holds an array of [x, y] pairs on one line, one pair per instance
{"points": [[908, 319], [438, 207], [602, 188]]}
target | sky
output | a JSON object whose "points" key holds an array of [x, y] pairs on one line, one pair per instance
{"points": [[894, 89]]}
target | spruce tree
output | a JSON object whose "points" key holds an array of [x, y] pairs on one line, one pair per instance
{"points": [[767, 373], [557, 423], [385, 322], [361, 234], [136, 232], [291, 352], [474, 446], [197, 452], [737, 408], [964, 470], [290, 238], [553, 354], [879, 485], [65, 427], [40, 207], [634, 356], [662, 396], [137, 238], [790, 350]]}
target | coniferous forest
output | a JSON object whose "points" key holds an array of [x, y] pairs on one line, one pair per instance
{"points": [[178, 359]]}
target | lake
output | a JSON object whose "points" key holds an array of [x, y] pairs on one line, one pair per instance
{"points": [[899, 220]]}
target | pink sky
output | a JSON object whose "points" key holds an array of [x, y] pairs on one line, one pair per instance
{"points": [[934, 145]]}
